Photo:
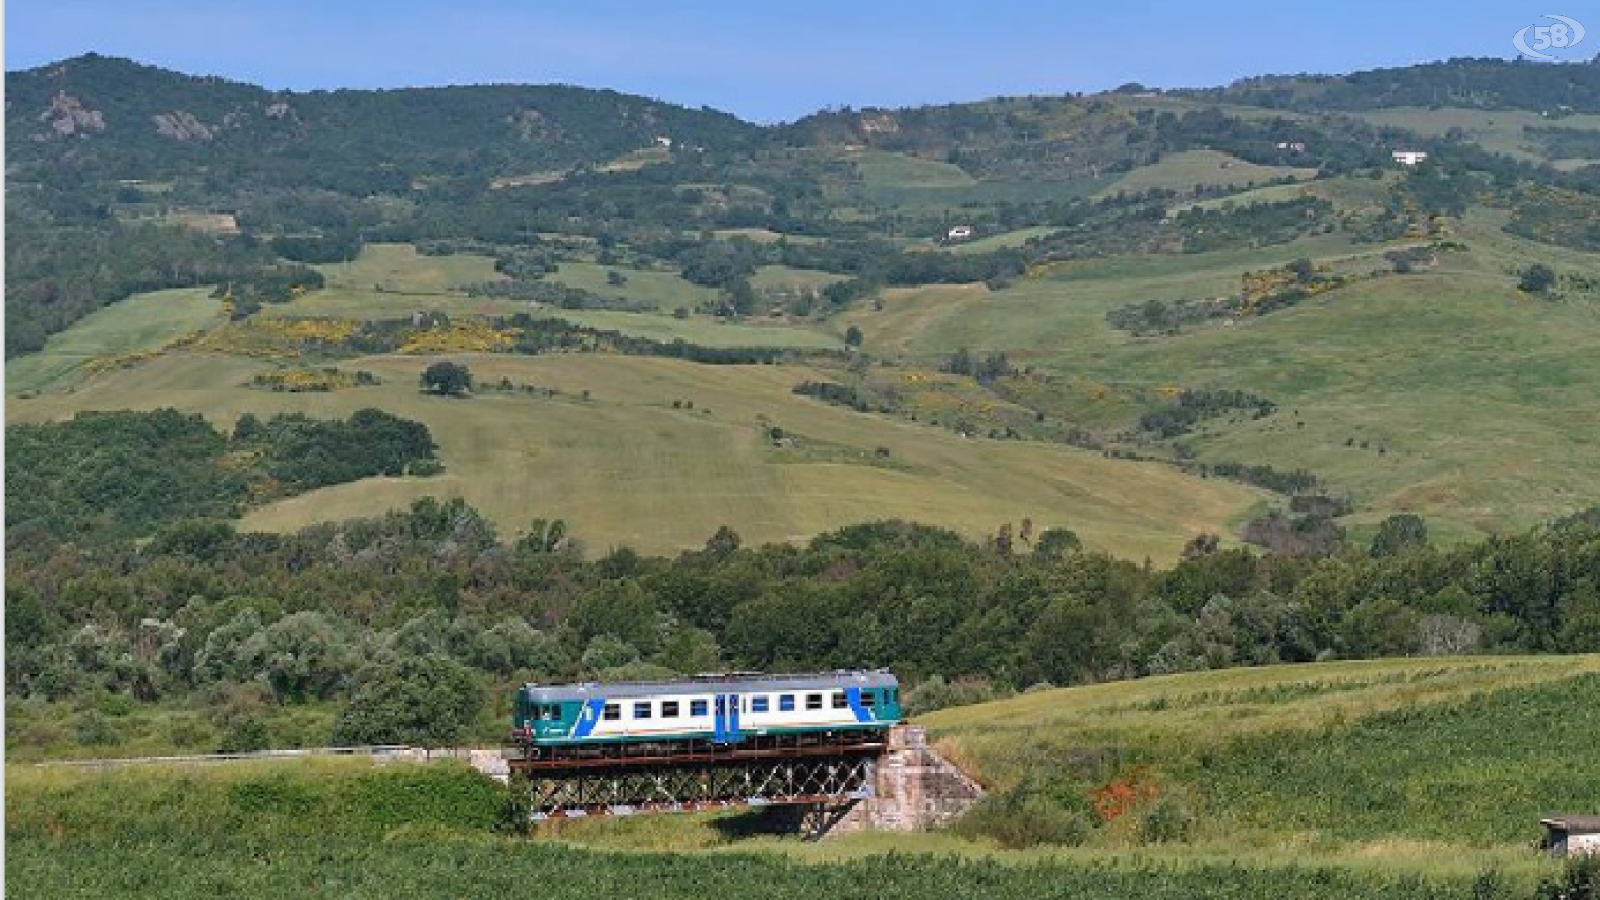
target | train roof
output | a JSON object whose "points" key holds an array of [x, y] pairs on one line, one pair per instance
{"points": [[732, 683]]}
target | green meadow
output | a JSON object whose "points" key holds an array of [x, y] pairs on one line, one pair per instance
{"points": [[1395, 778], [140, 324]]}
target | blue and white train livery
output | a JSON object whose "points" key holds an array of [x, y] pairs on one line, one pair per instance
{"points": [[705, 711]]}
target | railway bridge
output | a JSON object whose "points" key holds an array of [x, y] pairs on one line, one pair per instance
{"points": [[898, 783]]}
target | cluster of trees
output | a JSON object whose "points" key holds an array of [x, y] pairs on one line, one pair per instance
{"points": [[435, 589], [1473, 83], [1206, 229], [1557, 142], [984, 367], [1349, 146], [1296, 481], [113, 475], [841, 395], [1195, 405], [269, 284], [1156, 316], [327, 247], [57, 273], [298, 453]]}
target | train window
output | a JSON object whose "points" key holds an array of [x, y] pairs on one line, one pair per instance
{"points": [[758, 704], [697, 707], [641, 710], [813, 701], [549, 712], [786, 703], [669, 709], [611, 712], [840, 701], [869, 699]]}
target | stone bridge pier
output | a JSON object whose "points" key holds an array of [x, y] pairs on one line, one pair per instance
{"points": [[914, 788]]}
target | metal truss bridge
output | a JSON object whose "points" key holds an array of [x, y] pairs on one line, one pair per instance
{"points": [[826, 781]]}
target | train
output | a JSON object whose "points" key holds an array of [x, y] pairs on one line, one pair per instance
{"points": [[741, 711]]}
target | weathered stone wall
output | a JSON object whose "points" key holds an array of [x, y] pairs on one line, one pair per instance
{"points": [[914, 788]]}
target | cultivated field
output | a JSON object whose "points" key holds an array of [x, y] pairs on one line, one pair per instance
{"points": [[625, 467]]}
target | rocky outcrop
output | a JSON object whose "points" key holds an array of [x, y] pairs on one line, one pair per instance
{"points": [[68, 116], [181, 126]]}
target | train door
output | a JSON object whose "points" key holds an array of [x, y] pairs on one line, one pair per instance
{"points": [[725, 719]]}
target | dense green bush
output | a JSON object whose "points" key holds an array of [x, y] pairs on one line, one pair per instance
{"points": [[422, 700], [103, 475]]}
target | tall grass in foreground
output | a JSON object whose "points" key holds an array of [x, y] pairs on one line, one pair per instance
{"points": [[346, 829]]}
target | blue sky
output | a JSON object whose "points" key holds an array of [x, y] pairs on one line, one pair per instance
{"points": [[768, 61]]}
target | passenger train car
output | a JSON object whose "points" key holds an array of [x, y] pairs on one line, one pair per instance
{"points": [[703, 712]]}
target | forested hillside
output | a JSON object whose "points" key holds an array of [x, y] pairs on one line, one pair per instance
{"points": [[1474, 83]]}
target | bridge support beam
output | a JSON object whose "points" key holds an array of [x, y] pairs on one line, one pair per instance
{"points": [[627, 789]]}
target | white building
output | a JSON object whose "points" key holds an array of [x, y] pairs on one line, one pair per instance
{"points": [[1409, 157], [1572, 835], [960, 233]]}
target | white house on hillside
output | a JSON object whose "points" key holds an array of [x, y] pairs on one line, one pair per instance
{"points": [[960, 233], [1409, 157]]}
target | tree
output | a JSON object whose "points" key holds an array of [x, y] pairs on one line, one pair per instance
{"points": [[1002, 540], [1397, 533], [1201, 545], [544, 536], [447, 379], [1055, 543], [852, 336], [427, 700], [1537, 279], [301, 656], [723, 543]]}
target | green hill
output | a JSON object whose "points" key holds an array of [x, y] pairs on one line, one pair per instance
{"points": [[1424, 765], [116, 119]]}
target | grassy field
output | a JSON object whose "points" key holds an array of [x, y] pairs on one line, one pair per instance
{"points": [[707, 331], [1003, 240], [1182, 171], [662, 290], [1436, 763], [785, 278], [399, 267], [139, 324], [897, 180], [884, 169], [766, 236], [1389, 778], [1492, 428], [625, 467], [345, 829], [393, 281]]}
